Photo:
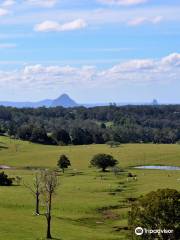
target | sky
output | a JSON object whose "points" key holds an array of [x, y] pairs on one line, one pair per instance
{"points": [[125, 51]]}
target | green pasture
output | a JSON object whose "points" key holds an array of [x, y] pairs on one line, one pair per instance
{"points": [[88, 205]]}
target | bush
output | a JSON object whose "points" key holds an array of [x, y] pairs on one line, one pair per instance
{"points": [[157, 210], [4, 180]]}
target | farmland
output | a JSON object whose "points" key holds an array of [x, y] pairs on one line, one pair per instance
{"points": [[88, 204]]}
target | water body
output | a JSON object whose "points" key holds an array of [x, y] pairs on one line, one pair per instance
{"points": [[159, 167]]}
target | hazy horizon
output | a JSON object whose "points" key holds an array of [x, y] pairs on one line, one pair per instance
{"points": [[88, 103], [95, 51]]}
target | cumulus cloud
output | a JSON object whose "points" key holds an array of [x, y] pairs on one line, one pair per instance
{"points": [[53, 26], [172, 60], [58, 74], [122, 2], [137, 71], [134, 65], [143, 20]]}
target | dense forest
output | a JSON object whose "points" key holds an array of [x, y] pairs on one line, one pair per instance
{"points": [[80, 125]]}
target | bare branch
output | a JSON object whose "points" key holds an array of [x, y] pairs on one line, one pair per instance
{"points": [[49, 185]]}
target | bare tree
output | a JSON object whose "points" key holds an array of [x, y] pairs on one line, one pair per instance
{"points": [[49, 185], [36, 189]]}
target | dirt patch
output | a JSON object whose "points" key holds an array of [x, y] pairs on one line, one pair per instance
{"points": [[108, 214]]}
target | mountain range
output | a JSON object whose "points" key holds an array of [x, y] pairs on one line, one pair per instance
{"points": [[64, 100]]}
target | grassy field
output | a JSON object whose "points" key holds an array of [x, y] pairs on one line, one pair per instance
{"points": [[88, 205]]}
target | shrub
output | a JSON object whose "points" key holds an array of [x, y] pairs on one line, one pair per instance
{"points": [[157, 210], [4, 180]]}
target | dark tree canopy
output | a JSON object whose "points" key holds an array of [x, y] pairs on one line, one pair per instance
{"points": [[81, 136], [80, 125], [4, 180], [39, 135], [157, 210], [63, 162], [25, 132], [103, 161], [61, 136]]}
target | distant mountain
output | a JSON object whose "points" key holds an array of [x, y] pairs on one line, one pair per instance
{"points": [[46, 103], [64, 100]]}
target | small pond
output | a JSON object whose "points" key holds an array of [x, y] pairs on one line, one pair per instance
{"points": [[158, 167]]}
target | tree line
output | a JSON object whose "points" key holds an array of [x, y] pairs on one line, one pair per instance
{"points": [[80, 125]]}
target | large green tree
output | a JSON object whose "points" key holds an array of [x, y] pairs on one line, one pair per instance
{"points": [[103, 161], [157, 210], [63, 162]]}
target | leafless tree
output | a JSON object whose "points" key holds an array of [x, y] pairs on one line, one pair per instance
{"points": [[35, 189], [49, 185]]}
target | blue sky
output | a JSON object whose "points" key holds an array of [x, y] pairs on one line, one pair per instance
{"points": [[94, 50]]}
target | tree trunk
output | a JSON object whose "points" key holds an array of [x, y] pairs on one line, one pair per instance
{"points": [[37, 204], [49, 227], [48, 217]]}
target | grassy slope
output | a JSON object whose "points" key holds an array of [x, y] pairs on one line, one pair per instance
{"points": [[78, 197]]}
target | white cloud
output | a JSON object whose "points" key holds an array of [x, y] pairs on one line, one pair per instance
{"points": [[95, 17], [42, 3], [8, 3], [137, 71], [3, 12], [142, 20], [134, 65], [47, 26], [53, 26], [40, 69], [172, 60], [122, 2], [137, 21], [156, 19]]}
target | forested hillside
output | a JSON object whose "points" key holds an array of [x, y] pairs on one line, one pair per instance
{"points": [[158, 124]]}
